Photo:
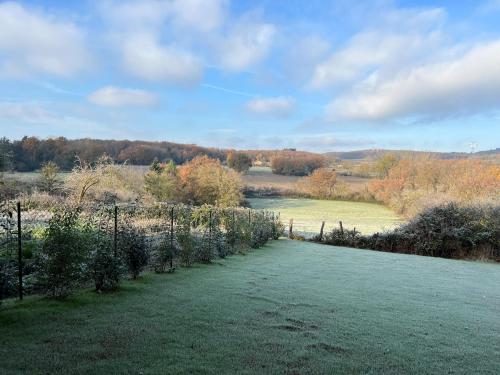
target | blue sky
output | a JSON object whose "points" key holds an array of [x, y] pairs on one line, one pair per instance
{"points": [[313, 75]]}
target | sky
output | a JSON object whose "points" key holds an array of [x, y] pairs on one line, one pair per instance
{"points": [[312, 75]]}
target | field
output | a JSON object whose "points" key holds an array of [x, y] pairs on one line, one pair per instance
{"points": [[290, 307], [309, 213], [262, 177]]}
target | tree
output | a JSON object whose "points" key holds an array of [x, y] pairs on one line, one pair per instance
{"points": [[296, 164], [384, 164], [238, 161], [162, 182], [322, 183], [205, 180], [49, 175]]}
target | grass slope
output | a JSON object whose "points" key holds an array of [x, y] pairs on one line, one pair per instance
{"points": [[290, 307], [309, 213]]}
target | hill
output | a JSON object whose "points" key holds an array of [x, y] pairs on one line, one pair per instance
{"points": [[377, 153]]}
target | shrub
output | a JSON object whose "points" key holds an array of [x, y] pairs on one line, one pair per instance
{"points": [[64, 253], [8, 279], [162, 182], [449, 231], [163, 254], [48, 175], [105, 266], [133, 249], [184, 237], [238, 161]]}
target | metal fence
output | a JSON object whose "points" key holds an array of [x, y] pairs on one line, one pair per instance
{"points": [[21, 226]]}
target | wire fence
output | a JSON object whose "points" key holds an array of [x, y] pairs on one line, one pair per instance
{"points": [[172, 234]]}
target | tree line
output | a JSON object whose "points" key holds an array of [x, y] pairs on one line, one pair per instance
{"points": [[30, 153]]}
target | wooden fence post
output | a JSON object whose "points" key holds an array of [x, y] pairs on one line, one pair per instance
{"points": [[290, 229], [321, 231], [19, 251], [341, 228]]}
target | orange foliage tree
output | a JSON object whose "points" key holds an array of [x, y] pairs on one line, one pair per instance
{"points": [[205, 180], [412, 185]]}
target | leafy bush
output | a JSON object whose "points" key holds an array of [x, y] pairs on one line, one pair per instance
{"points": [[105, 266], [163, 254], [64, 253], [133, 249], [8, 279]]}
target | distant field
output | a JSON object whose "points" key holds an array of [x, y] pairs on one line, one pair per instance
{"points": [[30, 177], [262, 177], [287, 308], [309, 213]]}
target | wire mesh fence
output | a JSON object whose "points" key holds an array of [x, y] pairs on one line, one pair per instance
{"points": [[54, 249]]}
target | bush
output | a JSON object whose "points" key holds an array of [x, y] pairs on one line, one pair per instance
{"points": [[64, 253], [184, 237], [449, 231], [133, 249], [163, 254], [105, 266], [8, 279], [238, 161]]}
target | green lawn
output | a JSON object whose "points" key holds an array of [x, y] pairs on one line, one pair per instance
{"points": [[290, 307], [308, 214]]}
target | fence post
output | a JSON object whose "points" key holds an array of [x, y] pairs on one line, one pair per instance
{"points": [[341, 228], [233, 224], [19, 251], [249, 217], [321, 231], [210, 230], [115, 232], [172, 237], [290, 229]]}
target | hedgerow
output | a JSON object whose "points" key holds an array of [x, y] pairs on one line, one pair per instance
{"points": [[449, 231]]}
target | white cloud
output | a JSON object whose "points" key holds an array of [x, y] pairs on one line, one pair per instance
{"points": [[200, 15], [204, 15], [462, 85], [278, 106], [145, 58], [404, 38], [30, 112], [32, 42], [121, 97], [245, 44]]}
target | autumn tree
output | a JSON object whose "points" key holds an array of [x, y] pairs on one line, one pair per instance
{"points": [[296, 164], [205, 180], [238, 161], [322, 183]]}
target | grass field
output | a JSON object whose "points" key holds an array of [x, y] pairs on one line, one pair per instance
{"points": [[262, 177], [290, 307], [309, 213]]}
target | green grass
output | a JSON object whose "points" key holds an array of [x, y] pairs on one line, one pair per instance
{"points": [[290, 307], [309, 213]]}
